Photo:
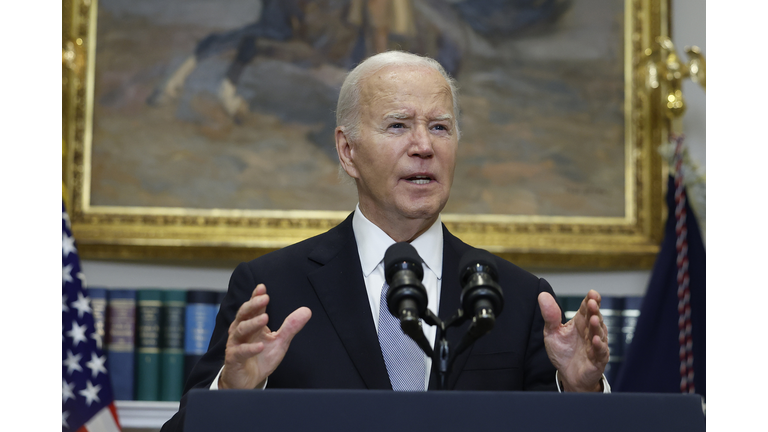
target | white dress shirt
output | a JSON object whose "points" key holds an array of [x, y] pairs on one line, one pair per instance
{"points": [[372, 244]]}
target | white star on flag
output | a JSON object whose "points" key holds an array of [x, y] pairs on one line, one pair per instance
{"points": [[66, 274], [96, 365], [67, 244], [82, 304], [77, 333], [90, 393], [87, 402], [66, 391], [72, 362]]}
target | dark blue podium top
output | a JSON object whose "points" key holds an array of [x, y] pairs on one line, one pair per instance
{"points": [[379, 410]]}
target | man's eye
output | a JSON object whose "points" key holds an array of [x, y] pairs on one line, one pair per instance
{"points": [[397, 125], [440, 127]]}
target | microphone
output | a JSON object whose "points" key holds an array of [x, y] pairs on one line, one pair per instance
{"points": [[481, 295], [407, 297]]}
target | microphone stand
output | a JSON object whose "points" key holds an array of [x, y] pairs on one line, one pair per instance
{"points": [[443, 358]]}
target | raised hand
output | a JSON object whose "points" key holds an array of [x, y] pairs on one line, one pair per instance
{"points": [[253, 352], [578, 348]]}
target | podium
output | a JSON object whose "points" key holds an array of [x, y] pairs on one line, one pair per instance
{"points": [[379, 410]]}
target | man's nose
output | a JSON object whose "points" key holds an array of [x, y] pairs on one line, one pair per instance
{"points": [[421, 142]]}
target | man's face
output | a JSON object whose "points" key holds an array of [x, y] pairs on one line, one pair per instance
{"points": [[405, 158]]}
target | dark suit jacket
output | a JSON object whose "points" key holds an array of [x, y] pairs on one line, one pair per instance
{"points": [[339, 348]]}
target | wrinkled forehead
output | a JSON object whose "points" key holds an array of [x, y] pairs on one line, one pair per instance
{"points": [[397, 79]]}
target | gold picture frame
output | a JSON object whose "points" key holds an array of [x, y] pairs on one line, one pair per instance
{"points": [[130, 232]]}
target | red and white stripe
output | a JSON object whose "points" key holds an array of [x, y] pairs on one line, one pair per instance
{"points": [[104, 421], [683, 292]]}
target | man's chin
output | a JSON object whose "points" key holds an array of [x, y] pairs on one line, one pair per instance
{"points": [[425, 210]]}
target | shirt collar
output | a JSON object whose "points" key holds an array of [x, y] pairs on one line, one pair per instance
{"points": [[372, 243]]}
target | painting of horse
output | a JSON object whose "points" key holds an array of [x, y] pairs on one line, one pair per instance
{"points": [[229, 104]]}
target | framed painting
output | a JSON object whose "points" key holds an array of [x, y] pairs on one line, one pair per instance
{"points": [[203, 129]]}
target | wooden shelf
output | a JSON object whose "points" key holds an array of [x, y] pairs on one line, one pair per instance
{"points": [[145, 414]]}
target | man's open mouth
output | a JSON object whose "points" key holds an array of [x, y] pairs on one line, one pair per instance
{"points": [[420, 179]]}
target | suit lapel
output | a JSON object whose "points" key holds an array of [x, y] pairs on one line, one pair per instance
{"points": [[341, 289]]}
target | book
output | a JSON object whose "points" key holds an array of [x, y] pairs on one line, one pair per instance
{"points": [[98, 298], [199, 320], [611, 308], [121, 332], [172, 345], [148, 316], [570, 305], [629, 315]]}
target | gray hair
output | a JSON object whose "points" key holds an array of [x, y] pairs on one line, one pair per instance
{"points": [[348, 107]]}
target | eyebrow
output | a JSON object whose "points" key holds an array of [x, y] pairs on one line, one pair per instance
{"points": [[397, 115], [404, 116]]}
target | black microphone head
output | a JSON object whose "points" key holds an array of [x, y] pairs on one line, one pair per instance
{"points": [[477, 260], [479, 280], [404, 272], [402, 256]]}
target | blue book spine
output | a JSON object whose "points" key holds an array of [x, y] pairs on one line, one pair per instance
{"points": [[199, 320], [121, 337], [570, 304]]}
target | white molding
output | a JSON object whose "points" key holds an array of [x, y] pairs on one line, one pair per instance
{"points": [[145, 414]]}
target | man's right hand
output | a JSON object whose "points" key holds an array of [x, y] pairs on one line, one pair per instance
{"points": [[253, 351]]}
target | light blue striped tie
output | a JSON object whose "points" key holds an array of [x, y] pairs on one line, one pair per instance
{"points": [[404, 359]]}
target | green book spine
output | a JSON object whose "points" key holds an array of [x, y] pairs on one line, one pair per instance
{"points": [[148, 319], [570, 305], [172, 345]]}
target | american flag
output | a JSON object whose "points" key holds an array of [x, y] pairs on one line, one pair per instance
{"points": [[86, 394]]}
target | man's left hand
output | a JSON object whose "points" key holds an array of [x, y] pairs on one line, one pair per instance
{"points": [[578, 348]]}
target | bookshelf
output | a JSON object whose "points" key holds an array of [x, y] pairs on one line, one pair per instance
{"points": [[145, 414], [149, 415]]}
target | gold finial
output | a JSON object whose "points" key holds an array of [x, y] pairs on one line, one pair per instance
{"points": [[697, 67], [664, 66]]}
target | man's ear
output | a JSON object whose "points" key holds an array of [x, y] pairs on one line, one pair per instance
{"points": [[345, 151]]}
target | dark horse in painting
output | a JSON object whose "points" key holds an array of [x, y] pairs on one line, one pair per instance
{"points": [[344, 32]]}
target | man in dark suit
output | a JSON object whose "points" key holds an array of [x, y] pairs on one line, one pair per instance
{"points": [[397, 137]]}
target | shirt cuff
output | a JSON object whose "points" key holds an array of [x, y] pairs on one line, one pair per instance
{"points": [[606, 386], [215, 383]]}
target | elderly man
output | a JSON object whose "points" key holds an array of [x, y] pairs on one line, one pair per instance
{"points": [[397, 137]]}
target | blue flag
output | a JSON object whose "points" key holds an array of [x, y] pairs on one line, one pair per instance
{"points": [[668, 351], [86, 394]]}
